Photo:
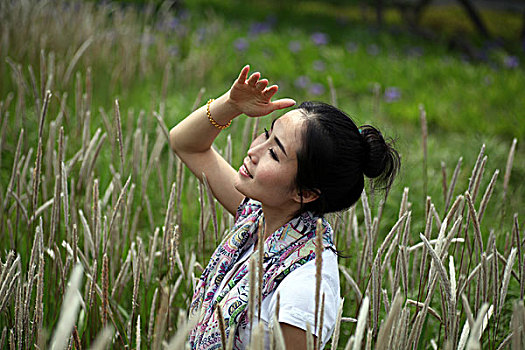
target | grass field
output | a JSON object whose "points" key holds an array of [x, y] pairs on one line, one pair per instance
{"points": [[87, 178]]}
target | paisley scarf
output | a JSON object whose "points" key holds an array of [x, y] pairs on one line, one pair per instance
{"points": [[288, 248]]}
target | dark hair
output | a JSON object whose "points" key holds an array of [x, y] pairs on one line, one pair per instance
{"points": [[335, 155]]}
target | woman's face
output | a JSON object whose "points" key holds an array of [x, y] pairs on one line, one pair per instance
{"points": [[269, 169]]}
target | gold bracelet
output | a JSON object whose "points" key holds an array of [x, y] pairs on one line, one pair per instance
{"points": [[213, 121]]}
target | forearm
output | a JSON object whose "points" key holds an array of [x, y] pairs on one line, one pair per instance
{"points": [[196, 133]]}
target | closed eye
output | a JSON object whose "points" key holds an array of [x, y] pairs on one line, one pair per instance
{"points": [[272, 152]]}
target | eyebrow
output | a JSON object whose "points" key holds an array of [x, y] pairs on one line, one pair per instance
{"points": [[277, 140]]}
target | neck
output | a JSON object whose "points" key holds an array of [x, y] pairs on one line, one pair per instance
{"points": [[274, 218]]}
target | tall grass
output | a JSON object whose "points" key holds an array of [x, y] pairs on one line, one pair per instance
{"points": [[87, 197]]}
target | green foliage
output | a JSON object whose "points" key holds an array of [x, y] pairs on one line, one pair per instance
{"points": [[156, 58]]}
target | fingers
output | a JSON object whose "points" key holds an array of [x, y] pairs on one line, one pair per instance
{"points": [[269, 92], [283, 103], [243, 74], [254, 78], [262, 84]]}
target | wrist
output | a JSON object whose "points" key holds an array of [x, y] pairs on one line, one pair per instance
{"points": [[230, 104]]}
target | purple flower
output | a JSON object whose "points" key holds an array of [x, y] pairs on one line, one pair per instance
{"points": [[351, 46], [316, 89], [319, 65], [260, 28], [172, 23], [392, 94], [302, 82], [319, 38], [294, 46], [241, 44], [511, 62], [372, 50]]}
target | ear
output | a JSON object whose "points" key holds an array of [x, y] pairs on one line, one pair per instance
{"points": [[307, 196]]}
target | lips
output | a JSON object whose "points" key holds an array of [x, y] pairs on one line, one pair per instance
{"points": [[244, 171]]}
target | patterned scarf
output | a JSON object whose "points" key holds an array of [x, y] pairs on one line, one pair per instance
{"points": [[288, 248]]}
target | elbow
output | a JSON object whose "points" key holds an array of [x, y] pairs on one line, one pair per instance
{"points": [[173, 140]]}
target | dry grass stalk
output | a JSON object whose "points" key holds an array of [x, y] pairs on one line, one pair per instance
{"points": [[152, 314], [80, 51], [387, 327], [475, 169], [421, 316], [333, 92], [394, 232], [477, 329], [424, 138], [39, 303], [335, 336], [162, 125], [179, 339], [160, 322], [251, 296], [260, 267], [198, 99], [309, 337], [105, 289], [321, 321], [479, 176], [119, 134], [15, 169], [152, 251], [257, 342], [222, 326], [444, 179], [508, 168], [103, 339], [453, 182], [518, 326], [8, 276], [277, 331], [439, 266], [361, 323], [76, 339], [488, 193], [88, 239], [117, 207], [231, 338], [92, 284], [169, 216], [69, 310], [352, 282], [38, 161], [137, 333], [376, 296], [318, 268], [475, 222], [506, 278]]}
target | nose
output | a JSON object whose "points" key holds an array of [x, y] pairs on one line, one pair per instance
{"points": [[255, 150], [252, 154]]}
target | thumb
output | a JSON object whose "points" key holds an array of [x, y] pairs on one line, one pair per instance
{"points": [[283, 103]]}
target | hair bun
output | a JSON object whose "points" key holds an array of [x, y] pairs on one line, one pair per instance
{"points": [[382, 160]]}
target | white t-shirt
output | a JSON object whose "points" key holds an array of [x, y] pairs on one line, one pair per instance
{"points": [[297, 297]]}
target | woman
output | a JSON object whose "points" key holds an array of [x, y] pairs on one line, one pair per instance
{"points": [[309, 163]]}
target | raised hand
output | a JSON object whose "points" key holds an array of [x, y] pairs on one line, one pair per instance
{"points": [[252, 96]]}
